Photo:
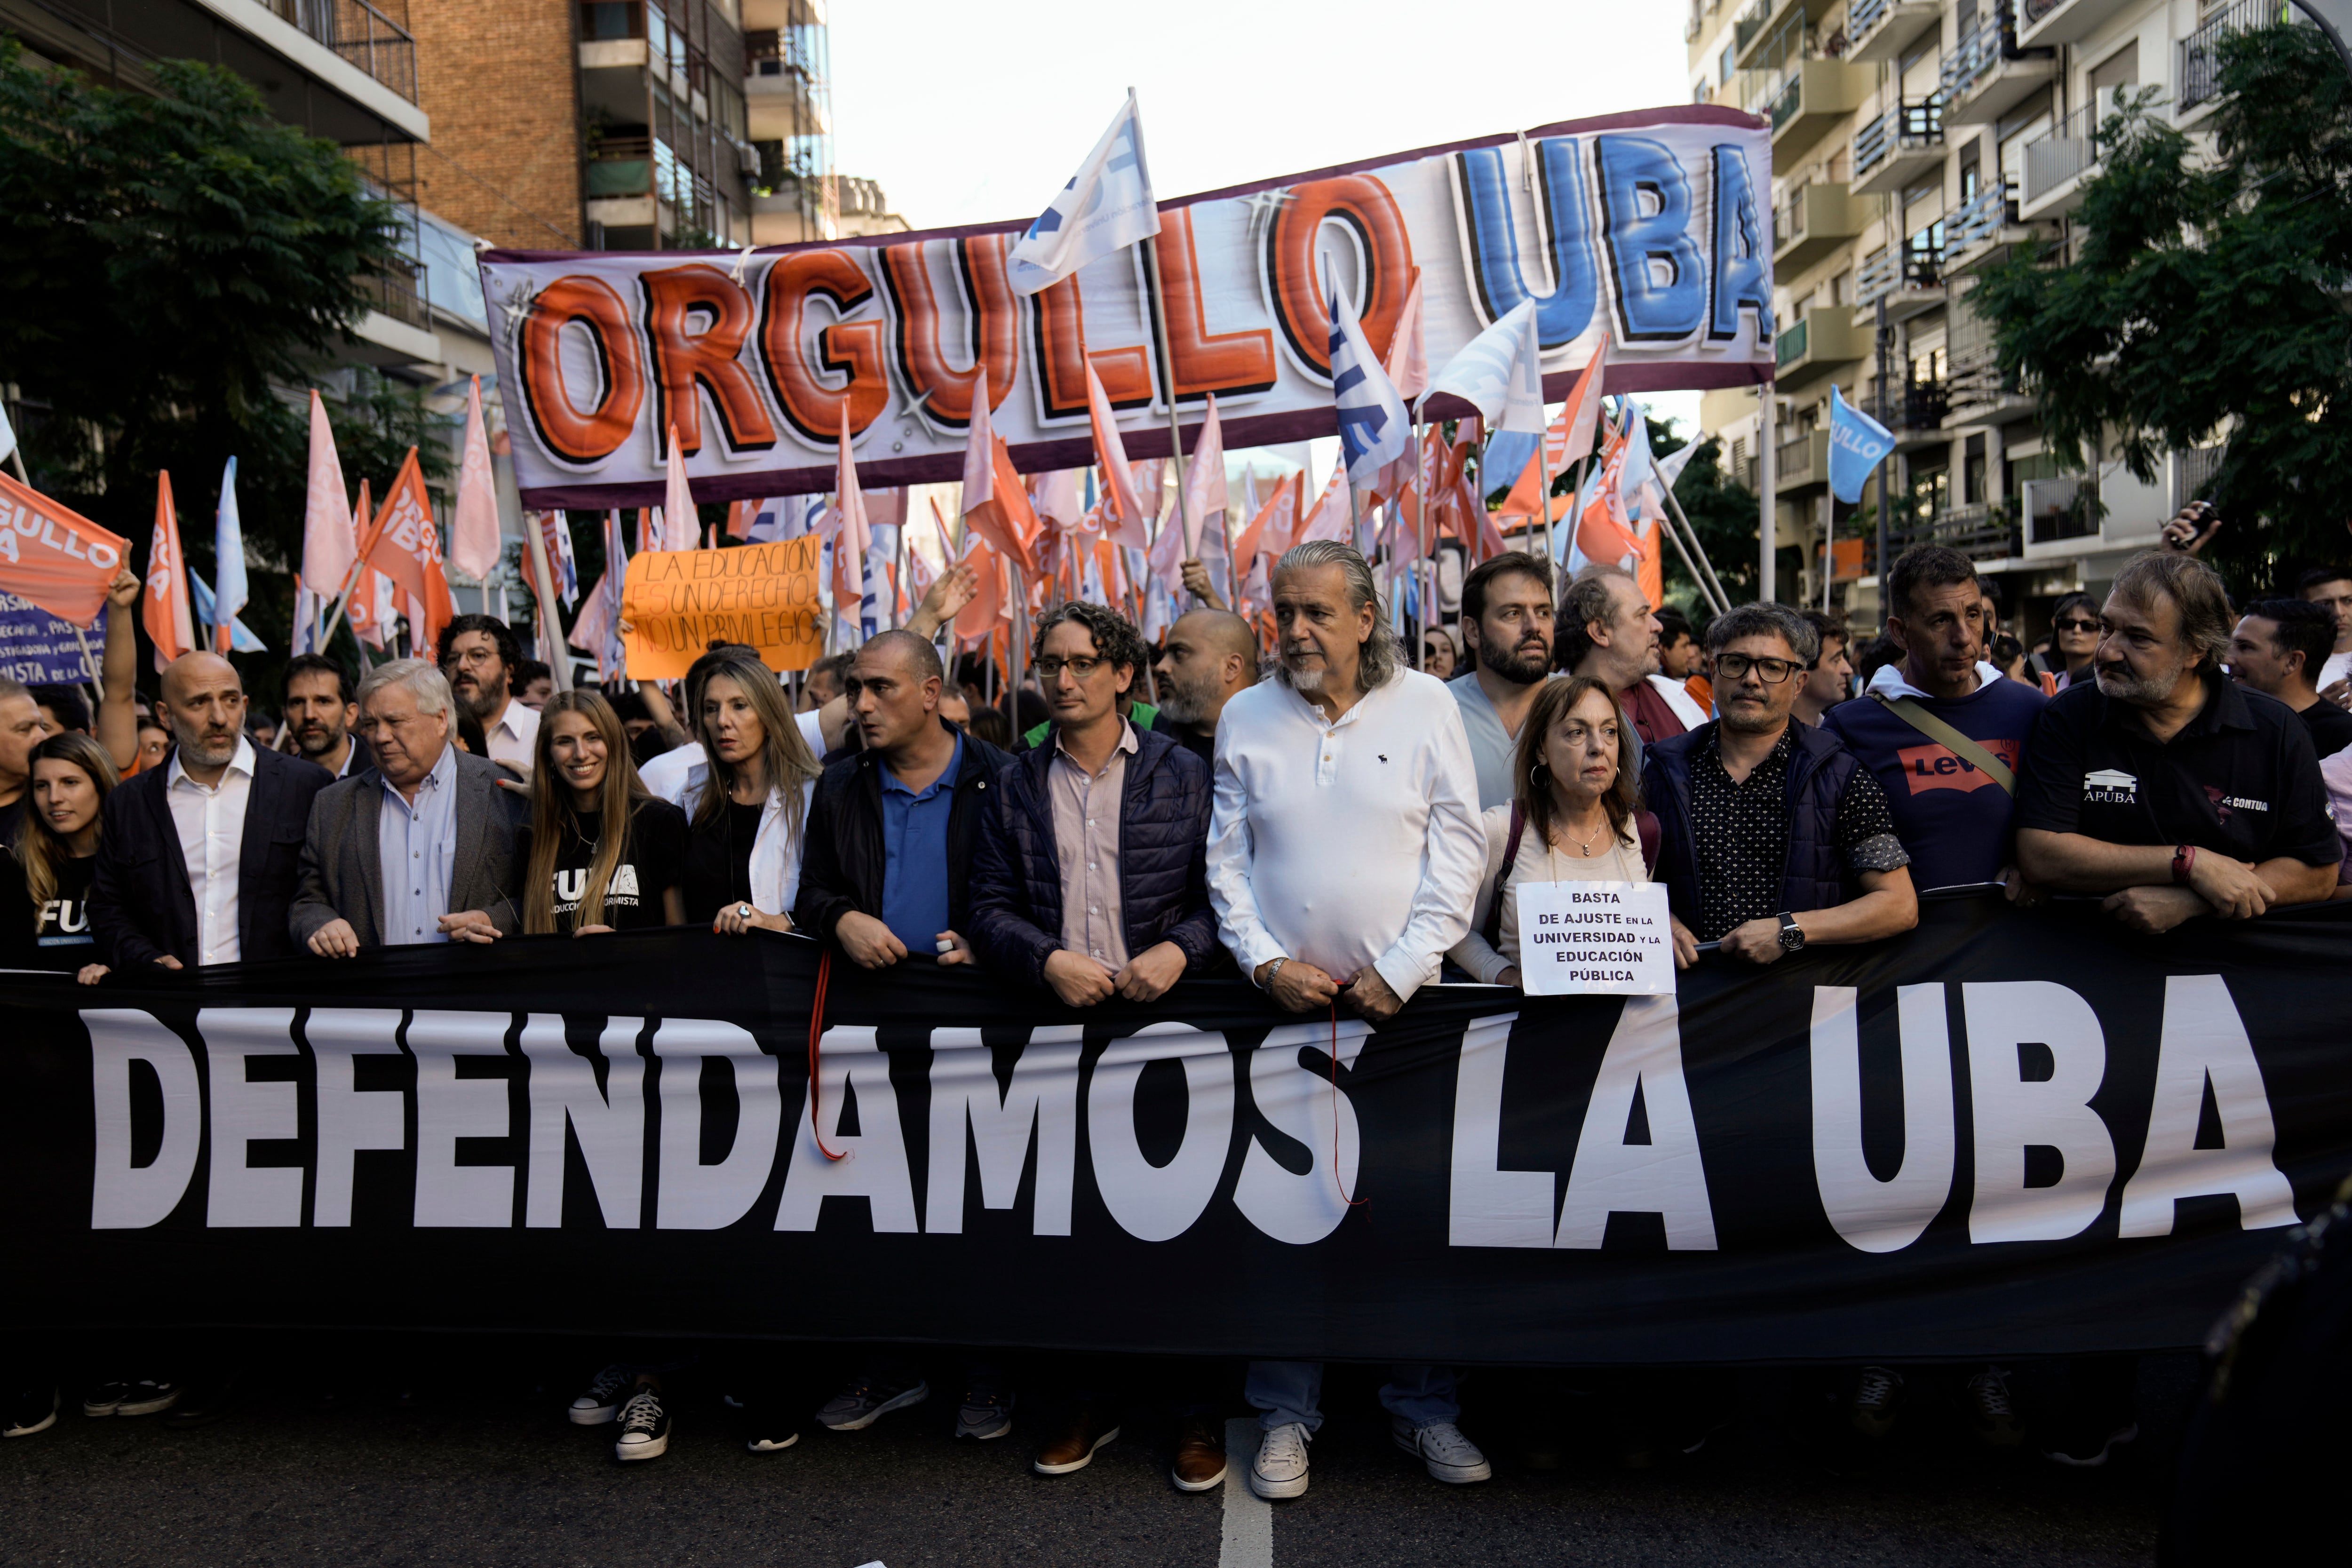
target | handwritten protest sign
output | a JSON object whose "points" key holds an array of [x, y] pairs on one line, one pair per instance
{"points": [[674, 602], [39, 650], [1610, 939]]}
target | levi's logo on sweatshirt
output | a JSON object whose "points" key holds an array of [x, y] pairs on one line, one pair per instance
{"points": [[1937, 767]]}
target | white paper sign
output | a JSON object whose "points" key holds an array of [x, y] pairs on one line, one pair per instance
{"points": [[1579, 939]]}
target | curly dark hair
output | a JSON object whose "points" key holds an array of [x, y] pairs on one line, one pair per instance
{"points": [[1115, 635], [497, 631]]}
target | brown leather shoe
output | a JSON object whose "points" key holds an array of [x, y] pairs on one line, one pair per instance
{"points": [[1200, 1457], [1087, 1430]]}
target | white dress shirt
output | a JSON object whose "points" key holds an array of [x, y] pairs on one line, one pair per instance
{"points": [[1350, 845], [677, 772], [513, 735], [212, 840]]}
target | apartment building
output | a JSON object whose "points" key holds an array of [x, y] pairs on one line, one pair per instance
{"points": [[1914, 144]]}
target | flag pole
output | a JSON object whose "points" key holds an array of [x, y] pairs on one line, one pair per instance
{"points": [[1543, 492], [551, 634], [1721, 600], [1150, 248]]}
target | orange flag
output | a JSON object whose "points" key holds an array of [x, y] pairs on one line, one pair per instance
{"points": [[53, 556], [995, 504], [404, 546], [165, 611], [369, 604]]}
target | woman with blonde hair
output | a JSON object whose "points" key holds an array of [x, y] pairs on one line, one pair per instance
{"points": [[1575, 817], [605, 854], [747, 803], [45, 876]]}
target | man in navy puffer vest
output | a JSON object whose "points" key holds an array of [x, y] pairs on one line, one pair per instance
{"points": [[1774, 836]]}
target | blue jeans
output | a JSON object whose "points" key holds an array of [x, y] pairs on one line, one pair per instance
{"points": [[1290, 1391]]}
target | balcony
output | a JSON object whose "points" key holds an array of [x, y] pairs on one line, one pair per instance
{"points": [[1985, 229], [1914, 412], [2060, 511], [2198, 81], [1816, 96], [361, 35], [1747, 27], [2059, 164], [1910, 280], [1982, 83], [1818, 343], [1812, 225], [1879, 31], [1899, 148], [1802, 464], [1979, 393], [2042, 23], [1980, 532], [621, 166]]}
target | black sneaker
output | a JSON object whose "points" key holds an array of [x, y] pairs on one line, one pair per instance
{"points": [[143, 1397], [33, 1410], [644, 1427], [601, 1400], [105, 1399]]}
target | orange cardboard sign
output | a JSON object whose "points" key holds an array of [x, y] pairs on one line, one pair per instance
{"points": [[674, 602]]}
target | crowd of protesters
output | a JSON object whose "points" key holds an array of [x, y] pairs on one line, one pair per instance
{"points": [[1133, 817]]}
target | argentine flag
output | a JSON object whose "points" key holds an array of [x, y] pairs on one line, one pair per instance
{"points": [[1105, 206], [1374, 428]]}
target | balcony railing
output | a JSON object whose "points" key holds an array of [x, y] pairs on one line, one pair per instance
{"points": [[1917, 264], [1863, 16], [1975, 56], [1981, 216], [2201, 52], [400, 297], [1790, 346], [1749, 23], [1793, 463], [1912, 406], [363, 34], [1916, 124], [2073, 146], [1980, 532]]}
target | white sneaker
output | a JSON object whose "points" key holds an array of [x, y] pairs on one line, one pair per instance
{"points": [[1441, 1446], [602, 1401], [1280, 1468]]}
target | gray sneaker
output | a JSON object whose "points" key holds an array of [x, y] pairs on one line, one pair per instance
{"points": [[860, 1405], [983, 1414], [1441, 1446], [1280, 1468]]}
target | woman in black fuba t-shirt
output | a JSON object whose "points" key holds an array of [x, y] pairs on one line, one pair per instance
{"points": [[45, 878], [605, 854]]}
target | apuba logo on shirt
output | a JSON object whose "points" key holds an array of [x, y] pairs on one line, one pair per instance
{"points": [[571, 887], [2110, 787]]}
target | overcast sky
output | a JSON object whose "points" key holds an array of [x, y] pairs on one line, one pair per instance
{"points": [[966, 113]]}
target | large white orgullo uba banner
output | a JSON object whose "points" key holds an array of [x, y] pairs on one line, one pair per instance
{"points": [[1651, 227]]}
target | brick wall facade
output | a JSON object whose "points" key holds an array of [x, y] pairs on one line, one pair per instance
{"points": [[499, 80]]}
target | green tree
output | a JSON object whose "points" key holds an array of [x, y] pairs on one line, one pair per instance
{"points": [[180, 269], [2206, 300], [1723, 513]]}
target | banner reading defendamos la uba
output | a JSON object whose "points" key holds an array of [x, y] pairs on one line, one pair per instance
{"points": [[2003, 1134], [1651, 227], [674, 602]]}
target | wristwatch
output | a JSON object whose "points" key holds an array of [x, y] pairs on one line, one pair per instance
{"points": [[1792, 935], [1273, 967]]}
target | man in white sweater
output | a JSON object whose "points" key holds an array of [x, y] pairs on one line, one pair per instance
{"points": [[1345, 850]]}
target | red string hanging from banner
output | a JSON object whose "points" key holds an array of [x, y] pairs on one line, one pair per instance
{"points": [[817, 1031]]}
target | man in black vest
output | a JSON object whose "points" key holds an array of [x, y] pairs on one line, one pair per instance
{"points": [[200, 857], [1772, 836]]}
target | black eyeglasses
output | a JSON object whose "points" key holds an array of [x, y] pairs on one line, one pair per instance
{"points": [[1734, 666], [2078, 626], [1050, 666]]}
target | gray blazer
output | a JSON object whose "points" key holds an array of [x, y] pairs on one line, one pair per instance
{"points": [[342, 861]]}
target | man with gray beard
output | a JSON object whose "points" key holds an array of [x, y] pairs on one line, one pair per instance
{"points": [[1210, 658], [1345, 850]]}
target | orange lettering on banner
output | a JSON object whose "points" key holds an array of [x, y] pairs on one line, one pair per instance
{"points": [[684, 360], [571, 434], [1227, 363], [53, 556], [1364, 204], [994, 339], [856, 348], [674, 602], [1060, 317]]}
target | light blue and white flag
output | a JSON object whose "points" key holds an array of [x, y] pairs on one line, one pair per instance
{"points": [[229, 549], [1518, 421], [1481, 371], [1105, 206], [1374, 428], [204, 609], [1858, 444]]}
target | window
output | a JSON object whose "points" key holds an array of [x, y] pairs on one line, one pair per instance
{"points": [[2118, 69], [1972, 471], [1931, 491], [602, 20]]}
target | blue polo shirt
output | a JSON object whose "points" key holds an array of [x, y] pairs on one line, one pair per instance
{"points": [[914, 855]]}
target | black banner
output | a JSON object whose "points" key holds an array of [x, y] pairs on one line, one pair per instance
{"points": [[2004, 1134]]}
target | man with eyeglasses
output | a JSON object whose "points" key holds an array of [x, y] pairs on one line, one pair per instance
{"points": [[478, 654], [1942, 730], [1089, 879], [1775, 836], [1507, 618]]}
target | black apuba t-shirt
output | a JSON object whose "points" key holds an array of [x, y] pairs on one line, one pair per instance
{"points": [[653, 860], [57, 935]]}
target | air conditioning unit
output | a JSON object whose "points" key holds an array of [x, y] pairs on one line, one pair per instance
{"points": [[747, 157]]}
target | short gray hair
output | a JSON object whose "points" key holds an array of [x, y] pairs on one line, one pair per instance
{"points": [[1380, 656], [1764, 620], [420, 678]]}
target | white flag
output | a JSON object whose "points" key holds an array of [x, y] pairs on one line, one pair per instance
{"points": [[1105, 206], [1480, 374]]}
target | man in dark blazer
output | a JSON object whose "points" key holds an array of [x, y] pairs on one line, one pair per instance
{"points": [[199, 857], [422, 847]]}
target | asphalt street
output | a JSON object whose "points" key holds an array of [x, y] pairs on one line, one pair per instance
{"points": [[479, 1465]]}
